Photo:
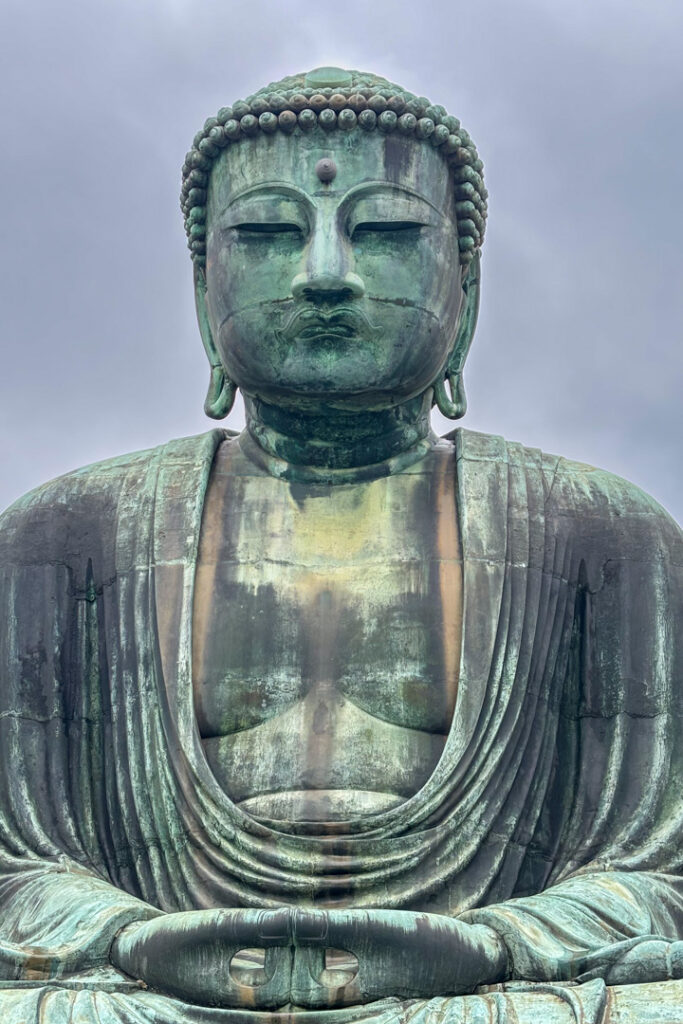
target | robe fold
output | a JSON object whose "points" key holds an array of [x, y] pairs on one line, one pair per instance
{"points": [[554, 815]]}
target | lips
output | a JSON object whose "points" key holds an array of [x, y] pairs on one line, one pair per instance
{"points": [[344, 323], [328, 330]]}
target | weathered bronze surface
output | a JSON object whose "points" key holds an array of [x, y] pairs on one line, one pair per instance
{"points": [[335, 720]]}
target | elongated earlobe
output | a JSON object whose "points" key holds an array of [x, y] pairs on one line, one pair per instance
{"points": [[455, 406], [220, 397]]}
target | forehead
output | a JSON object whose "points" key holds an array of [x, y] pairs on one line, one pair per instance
{"points": [[359, 156]]}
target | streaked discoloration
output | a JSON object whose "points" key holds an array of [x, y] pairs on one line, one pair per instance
{"points": [[349, 684]]}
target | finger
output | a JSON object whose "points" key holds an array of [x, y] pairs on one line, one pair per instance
{"points": [[189, 955], [412, 954], [276, 926], [124, 942], [262, 928], [310, 927]]}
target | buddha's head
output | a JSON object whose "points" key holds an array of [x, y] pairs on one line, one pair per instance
{"points": [[335, 224]]}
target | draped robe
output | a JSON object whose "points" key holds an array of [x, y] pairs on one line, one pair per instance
{"points": [[554, 814]]}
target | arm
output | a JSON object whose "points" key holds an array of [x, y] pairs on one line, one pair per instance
{"points": [[73, 855], [59, 912], [58, 920], [614, 857], [588, 925]]}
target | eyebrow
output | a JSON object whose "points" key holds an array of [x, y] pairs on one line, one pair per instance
{"points": [[269, 188], [372, 187], [356, 192]]}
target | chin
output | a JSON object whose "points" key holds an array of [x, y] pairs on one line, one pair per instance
{"points": [[326, 372], [316, 397]]}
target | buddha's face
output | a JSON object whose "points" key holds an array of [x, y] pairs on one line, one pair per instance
{"points": [[346, 291]]}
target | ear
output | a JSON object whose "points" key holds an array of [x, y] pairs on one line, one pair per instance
{"points": [[456, 406], [203, 317], [221, 393], [468, 315]]}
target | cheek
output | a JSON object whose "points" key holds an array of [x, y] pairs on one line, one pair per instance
{"points": [[250, 341], [240, 275], [412, 348], [419, 270], [415, 290]]}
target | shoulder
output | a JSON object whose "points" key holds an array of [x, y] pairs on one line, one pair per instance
{"points": [[584, 499], [57, 516]]}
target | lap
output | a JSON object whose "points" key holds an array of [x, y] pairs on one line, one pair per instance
{"points": [[106, 1000]]}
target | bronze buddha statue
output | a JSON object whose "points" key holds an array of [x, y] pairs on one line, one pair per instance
{"points": [[336, 720]]}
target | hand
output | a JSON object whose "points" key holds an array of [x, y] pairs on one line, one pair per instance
{"points": [[399, 953], [649, 960], [188, 955]]}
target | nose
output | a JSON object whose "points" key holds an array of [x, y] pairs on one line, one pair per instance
{"points": [[327, 276], [327, 287]]}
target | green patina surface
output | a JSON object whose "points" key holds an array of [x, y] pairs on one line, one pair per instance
{"points": [[334, 100], [336, 720]]}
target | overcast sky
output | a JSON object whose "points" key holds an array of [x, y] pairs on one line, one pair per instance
{"points": [[577, 111]]}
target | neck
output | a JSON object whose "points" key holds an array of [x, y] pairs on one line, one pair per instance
{"points": [[333, 445]]}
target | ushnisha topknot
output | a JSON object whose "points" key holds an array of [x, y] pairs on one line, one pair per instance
{"points": [[334, 99]]}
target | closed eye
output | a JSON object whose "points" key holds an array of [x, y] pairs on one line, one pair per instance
{"points": [[267, 228], [386, 225]]}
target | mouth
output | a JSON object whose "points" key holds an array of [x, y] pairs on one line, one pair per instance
{"points": [[342, 324], [322, 330]]}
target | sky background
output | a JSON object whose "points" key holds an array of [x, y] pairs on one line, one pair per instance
{"points": [[577, 111]]}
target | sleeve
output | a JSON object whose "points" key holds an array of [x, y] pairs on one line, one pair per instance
{"points": [[593, 925], [59, 911], [58, 919], [613, 825]]}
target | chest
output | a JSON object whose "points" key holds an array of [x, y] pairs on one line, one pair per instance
{"points": [[353, 590]]}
